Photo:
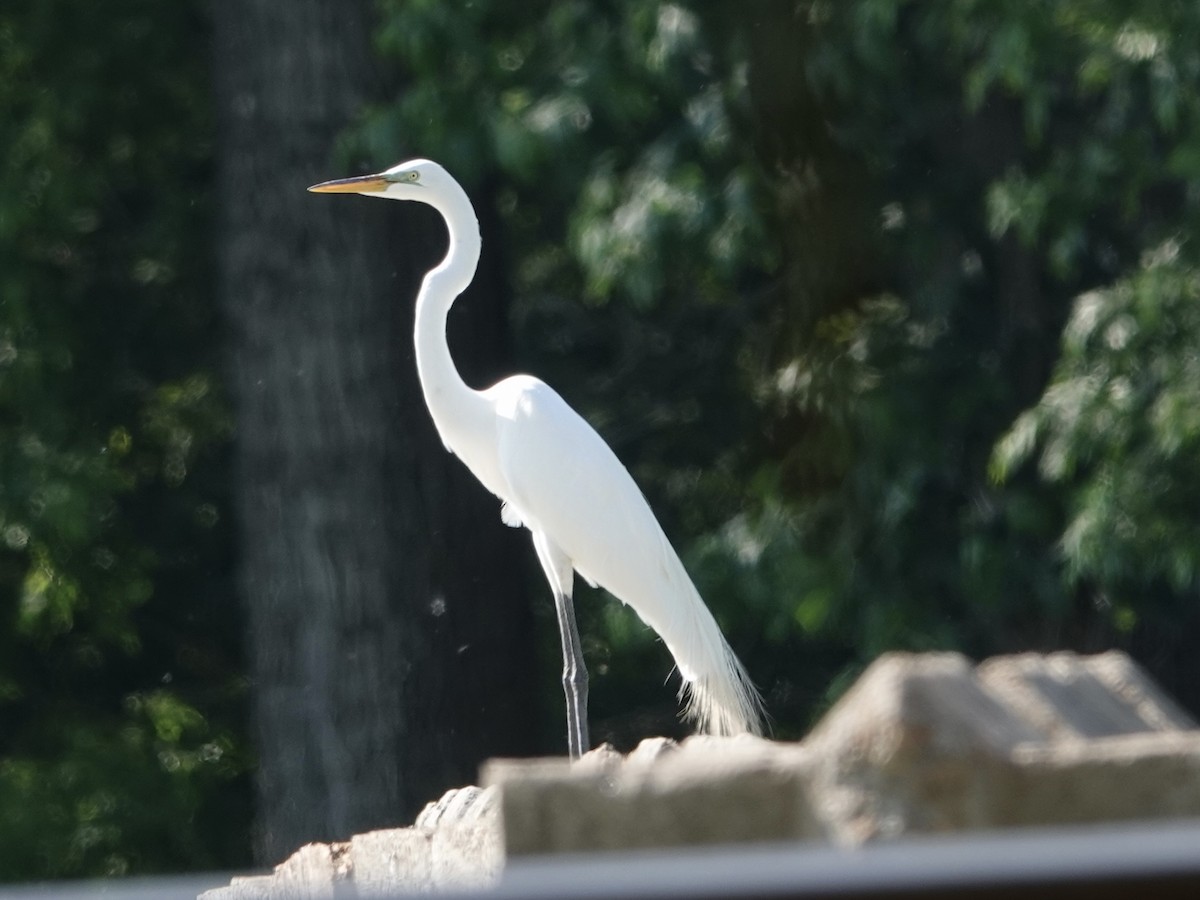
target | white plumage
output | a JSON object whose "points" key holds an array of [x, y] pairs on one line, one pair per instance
{"points": [[557, 477]]}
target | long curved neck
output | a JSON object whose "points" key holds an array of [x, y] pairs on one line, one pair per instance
{"points": [[451, 402]]}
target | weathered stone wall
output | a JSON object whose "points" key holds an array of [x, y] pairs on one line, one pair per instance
{"points": [[922, 744]]}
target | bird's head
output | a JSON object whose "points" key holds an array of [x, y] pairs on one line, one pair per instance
{"points": [[418, 179]]}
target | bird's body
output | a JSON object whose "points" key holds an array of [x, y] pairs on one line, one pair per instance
{"points": [[557, 477]]}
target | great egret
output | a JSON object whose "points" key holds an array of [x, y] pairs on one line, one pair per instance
{"points": [[555, 475]]}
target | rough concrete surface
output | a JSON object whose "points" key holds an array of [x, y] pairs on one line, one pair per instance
{"points": [[922, 744], [929, 744], [454, 843], [703, 791]]}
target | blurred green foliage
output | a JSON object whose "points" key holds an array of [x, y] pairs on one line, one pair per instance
{"points": [[1118, 432], [120, 699], [1021, 157], [989, 444], [844, 459]]}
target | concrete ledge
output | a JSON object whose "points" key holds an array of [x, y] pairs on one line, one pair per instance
{"points": [[1063, 695], [703, 791], [455, 843], [922, 744], [929, 744]]}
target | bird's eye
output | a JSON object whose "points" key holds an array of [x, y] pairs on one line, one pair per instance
{"points": [[413, 176]]}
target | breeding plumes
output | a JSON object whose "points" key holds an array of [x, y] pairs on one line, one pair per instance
{"points": [[557, 477]]}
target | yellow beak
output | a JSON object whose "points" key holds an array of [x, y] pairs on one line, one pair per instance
{"points": [[351, 185]]}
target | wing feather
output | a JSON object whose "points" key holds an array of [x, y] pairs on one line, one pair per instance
{"points": [[564, 481]]}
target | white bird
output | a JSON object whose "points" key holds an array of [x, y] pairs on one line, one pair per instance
{"points": [[557, 477]]}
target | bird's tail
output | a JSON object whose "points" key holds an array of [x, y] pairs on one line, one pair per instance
{"points": [[717, 693]]}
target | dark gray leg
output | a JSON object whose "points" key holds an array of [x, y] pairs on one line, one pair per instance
{"points": [[575, 677]]}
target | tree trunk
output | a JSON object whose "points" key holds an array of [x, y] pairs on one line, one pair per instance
{"points": [[824, 209], [825, 221], [390, 644]]}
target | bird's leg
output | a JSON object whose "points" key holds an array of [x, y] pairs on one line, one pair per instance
{"points": [[575, 676]]}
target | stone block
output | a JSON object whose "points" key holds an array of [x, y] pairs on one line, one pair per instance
{"points": [[703, 791], [929, 744], [1064, 695], [1130, 777], [391, 861], [310, 872], [456, 845]]}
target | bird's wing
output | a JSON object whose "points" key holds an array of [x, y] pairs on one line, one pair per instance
{"points": [[565, 481], [567, 485]]}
